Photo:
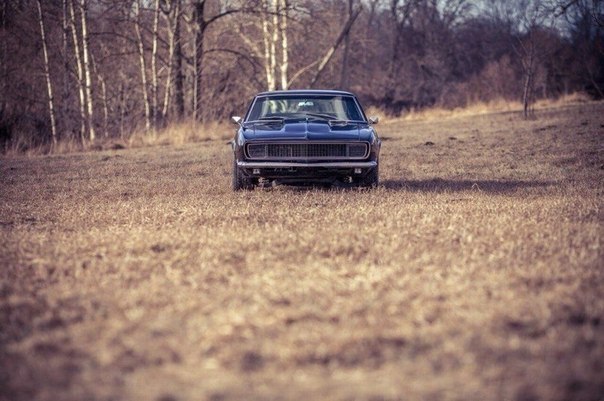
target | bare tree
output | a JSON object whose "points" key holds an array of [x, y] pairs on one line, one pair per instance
{"points": [[66, 77], [284, 43], [584, 19], [51, 107], [154, 72], [344, 78], [275, 45], [528, 19], [178, 59], [168, 9], [87, 75], [79, 70], [3, 59], [343, 33], [269, 36], [202, 22], [532, 16], [105, 102], [561, 7], [143, 65]]}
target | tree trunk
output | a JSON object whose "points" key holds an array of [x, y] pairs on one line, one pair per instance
{"points": [[105, 107], [269, 48], [168, 84], [88, 79], [345, 31], [529, 67], [372, 11], [4, 56], [101, 79], [400, 13], [79, 70], [66, 84], [344, 76], [199, 36], [143, 67], [121, 109], [273, 41], [179, 93], [526, 97], [51, 107], [154, 78], [284, 45]]}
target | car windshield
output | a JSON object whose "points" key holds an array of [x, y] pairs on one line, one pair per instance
{"points": [[321, 107]]}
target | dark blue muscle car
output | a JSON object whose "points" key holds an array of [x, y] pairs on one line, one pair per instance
{"points": [[305, 137]]}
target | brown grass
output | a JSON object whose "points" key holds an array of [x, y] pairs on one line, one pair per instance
{"points": [[474, 272], [482, 108], [175, 134], [181, 134]]}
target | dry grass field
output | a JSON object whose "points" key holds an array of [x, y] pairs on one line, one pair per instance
{"points": [[474, 272]]}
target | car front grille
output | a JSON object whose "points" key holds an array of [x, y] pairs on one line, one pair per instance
{"points": [[307, 151]]}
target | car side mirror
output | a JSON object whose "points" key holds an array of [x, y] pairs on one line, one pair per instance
{"points": [[374, 120], [236, 120]]}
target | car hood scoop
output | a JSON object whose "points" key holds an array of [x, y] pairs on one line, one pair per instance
{"points": [[304, 130]]}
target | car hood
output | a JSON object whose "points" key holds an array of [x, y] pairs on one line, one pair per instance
{"points": [[307, 131]]}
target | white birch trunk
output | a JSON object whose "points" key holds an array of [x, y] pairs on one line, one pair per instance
{"points": [[88, 79], [143, 68], [51, 107], [154, 77], [274, 39], [268, 55], [167, 86], [80, 71], [284, 45]]}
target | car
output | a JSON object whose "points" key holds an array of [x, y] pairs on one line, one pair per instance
{"points": [[305, 137]]}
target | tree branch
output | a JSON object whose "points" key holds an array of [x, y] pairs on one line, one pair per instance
{"points": [[345, 31]]}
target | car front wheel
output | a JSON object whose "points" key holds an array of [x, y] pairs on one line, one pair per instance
{"points": [[239, 181], [372, 179]]}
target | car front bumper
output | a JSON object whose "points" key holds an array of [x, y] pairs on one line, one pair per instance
{"points": [[301, 172], [328, 165]]}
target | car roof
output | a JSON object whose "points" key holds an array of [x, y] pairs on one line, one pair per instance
{"points": [[305, 92]]}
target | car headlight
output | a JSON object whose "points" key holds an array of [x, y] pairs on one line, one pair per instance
{"points": [[257, 151], [357, 150]]}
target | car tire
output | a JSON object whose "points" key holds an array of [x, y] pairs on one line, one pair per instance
{"points": [[372, 179], [239, 182]]}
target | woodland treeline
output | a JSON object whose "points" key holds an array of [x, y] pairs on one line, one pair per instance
{"points": [[83, 70]]}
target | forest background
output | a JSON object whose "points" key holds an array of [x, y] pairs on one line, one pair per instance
{"points": [[76, 73]]}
